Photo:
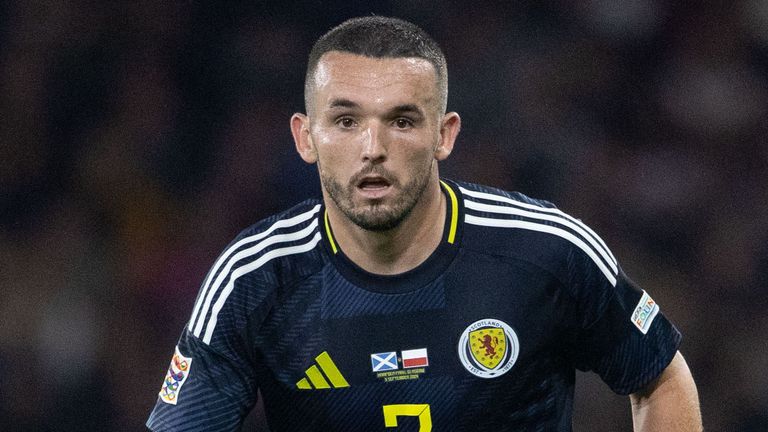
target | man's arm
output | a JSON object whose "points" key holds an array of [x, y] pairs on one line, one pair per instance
{"points": [[669, 403]]}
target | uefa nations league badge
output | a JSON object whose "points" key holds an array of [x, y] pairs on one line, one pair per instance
{"points": [[488, 348]]}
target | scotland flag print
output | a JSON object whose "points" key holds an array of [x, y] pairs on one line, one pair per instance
{"points": [[384, 361]]}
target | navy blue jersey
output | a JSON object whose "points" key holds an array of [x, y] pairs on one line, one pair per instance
{"points": [[485, 335]]}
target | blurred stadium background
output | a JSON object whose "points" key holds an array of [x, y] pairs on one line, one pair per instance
{"points": [[137, 138]]}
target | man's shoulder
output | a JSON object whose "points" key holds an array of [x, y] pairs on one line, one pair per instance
{"points": [[301, 214], [489, 213], [514, 225], [263, 258], [480, 192], [259, 252]]}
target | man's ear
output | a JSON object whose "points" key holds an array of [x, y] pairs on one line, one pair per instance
{"points": [[449, 129], [301, 137]]}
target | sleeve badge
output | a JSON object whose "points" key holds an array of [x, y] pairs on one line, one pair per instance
{"points": [[644, 313], [177, 375]]}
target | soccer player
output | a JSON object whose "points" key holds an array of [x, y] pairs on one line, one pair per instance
{"points": [[403, 301]]}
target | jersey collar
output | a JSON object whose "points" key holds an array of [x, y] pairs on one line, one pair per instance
{"points": [[429, 270]]}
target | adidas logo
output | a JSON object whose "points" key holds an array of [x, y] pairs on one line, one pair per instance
{"points": [[317, 374]]}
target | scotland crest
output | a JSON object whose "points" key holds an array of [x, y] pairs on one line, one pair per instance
{"points": [[488, 348]]}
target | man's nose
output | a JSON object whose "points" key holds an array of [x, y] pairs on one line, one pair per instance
{"points": [[374, 143]]}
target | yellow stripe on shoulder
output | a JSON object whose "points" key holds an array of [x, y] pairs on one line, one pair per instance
{"points": [[454, 212], [329, 235]]}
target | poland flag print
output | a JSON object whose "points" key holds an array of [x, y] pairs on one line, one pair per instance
{"points": [[415, 358]]}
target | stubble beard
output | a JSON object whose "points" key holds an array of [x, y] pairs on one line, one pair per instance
{"points": [[377, 217]]}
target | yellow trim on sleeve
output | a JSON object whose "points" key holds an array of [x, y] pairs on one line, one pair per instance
{"points": [[454, 212], [329, 235]]}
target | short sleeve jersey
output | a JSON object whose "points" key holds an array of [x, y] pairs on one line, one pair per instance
{"points": [[485, 335]]}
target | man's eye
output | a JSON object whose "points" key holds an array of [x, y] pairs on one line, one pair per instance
{"points": [[403, 123], [345, 122]]}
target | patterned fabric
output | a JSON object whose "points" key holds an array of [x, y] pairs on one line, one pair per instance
{"points": [[485, 335]]}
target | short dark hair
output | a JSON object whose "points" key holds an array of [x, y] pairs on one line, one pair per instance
{"points": [[380, 37]]}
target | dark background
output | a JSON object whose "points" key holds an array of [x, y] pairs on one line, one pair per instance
{"points": [[137, 138]]}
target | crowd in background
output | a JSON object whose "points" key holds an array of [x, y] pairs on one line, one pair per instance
{"points": [[138, 138]]}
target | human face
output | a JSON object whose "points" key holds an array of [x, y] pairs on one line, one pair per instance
{"points": [[376, 133]]}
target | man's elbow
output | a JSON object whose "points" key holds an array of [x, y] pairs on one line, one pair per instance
{"points": [[670, 402]]}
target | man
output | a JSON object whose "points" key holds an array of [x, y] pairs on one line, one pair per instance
{"points": [[404, 301]]}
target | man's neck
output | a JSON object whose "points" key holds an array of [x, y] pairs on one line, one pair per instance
{"points": [[399, 249]]}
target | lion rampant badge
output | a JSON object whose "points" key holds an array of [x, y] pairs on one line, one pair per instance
{"points": [[488, 348]]}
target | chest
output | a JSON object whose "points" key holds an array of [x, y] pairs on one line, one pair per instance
{"points": [[484, 327]]}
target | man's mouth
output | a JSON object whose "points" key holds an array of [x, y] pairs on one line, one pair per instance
{"points": [[373, 183], [374, 187]]}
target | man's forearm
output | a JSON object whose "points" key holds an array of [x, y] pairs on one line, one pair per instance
{"points": [[671, 403]]}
